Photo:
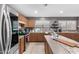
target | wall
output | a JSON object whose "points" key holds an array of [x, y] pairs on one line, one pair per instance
{"points": [[49, 20], [70, 24]]}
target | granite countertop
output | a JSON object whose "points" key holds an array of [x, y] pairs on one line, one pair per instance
{"points": [[60, 48], [69, 32], [21, 36], [46, 33]]}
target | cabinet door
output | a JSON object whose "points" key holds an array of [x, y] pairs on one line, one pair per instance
{"points": [[41, 37], [23, 20], [47, 49], [21, 45], [74, 36], [26, 23], [31, 23], [33, 37], [36, 37]]}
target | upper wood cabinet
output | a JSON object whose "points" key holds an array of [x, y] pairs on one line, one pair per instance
{"points": [[22, 19], [31, 23], [26, 22]]}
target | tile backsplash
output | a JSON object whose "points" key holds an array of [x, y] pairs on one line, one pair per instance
{"points": [[67, 22]]}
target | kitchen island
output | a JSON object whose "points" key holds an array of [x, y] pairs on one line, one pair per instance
{"points": [[56, 47]]}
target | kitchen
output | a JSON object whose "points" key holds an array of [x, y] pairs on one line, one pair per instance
{"points": [[34, 28]]}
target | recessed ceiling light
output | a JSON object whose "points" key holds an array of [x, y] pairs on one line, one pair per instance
{"points": [[61, 11], [35, 11]]}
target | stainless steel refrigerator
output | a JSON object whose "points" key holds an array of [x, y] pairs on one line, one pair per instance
{"points": [[5, 30]]}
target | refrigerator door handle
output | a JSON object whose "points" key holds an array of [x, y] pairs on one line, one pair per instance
{"points": [[5, 30], [1, 19], [9, 32], [10, 29]]}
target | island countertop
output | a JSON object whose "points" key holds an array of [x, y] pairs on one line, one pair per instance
{"points": [[21, 36], [60, 48]]}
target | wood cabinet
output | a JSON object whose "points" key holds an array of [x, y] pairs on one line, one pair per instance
{"points": [[47, 48], [31, 23], [23, 19], [36, 37], [74, 36], [21, 44], [27, 22], [39, 37]]}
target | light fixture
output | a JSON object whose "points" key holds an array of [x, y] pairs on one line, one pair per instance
{"points": [[61, 12], [35, 11]]}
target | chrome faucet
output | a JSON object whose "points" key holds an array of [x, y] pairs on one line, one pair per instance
{"points": [[54, 34]]}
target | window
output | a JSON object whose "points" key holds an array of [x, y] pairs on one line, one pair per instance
{"points": [[67, 24]]}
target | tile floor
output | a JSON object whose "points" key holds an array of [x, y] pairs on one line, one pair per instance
{"points": [[34, 48]]}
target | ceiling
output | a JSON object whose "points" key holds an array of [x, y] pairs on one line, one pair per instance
{"points": [[51, 10]]}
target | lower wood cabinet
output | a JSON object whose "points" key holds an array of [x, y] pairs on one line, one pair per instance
{"points": [[36, 37], [21, 45], [39, 37], [47, 49], [74, 36]]}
